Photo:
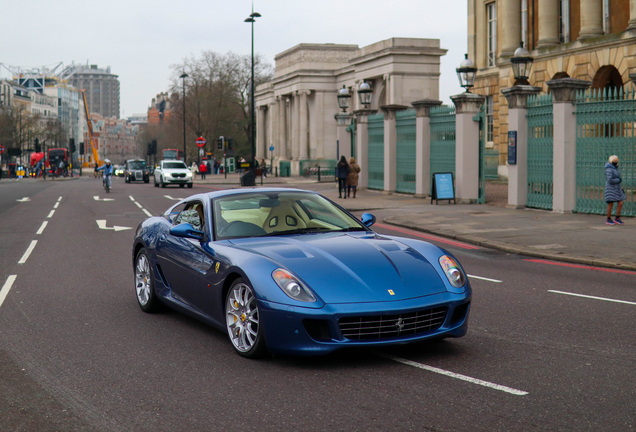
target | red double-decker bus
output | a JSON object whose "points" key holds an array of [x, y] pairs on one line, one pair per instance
{"points": [[55, 155], [172, 154]]}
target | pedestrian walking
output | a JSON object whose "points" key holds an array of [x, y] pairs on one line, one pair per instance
{"points": [[613, 191], [343, 170], [264, 168], [195, 169], [216, 166], [208, 165], [352, 177], [202, 170]]}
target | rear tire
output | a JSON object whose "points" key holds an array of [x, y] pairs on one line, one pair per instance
{"points": [[145, 283]]}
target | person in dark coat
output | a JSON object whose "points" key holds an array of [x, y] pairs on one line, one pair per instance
{"points": [[343, 171], [613, 191]]}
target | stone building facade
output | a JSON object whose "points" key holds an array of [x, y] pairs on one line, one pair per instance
{"points": [[295, 110], [593, 40]]}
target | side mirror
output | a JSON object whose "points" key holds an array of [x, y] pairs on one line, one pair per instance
{"points": [[186, 230], [368, 219]]}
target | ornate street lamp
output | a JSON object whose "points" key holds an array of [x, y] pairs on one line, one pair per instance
{"points": [[183, 77], [466, 74], [251, 19], [344, 99], [364, 94], [521, 65]]}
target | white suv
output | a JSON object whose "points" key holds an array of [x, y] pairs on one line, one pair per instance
{"points": [[173, 172]]}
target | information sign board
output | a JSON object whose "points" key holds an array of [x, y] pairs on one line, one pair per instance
{"points": [[443, 187]]}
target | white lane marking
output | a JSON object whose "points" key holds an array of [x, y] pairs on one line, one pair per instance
{"points": [[138, 205], [483, 278], [25, 199], [147, 212], [101, 223], [592, 297], [6, 287], [59, 199], [457, 376], [173, 199], [131, 198], [97, 198], [57, 204], [26, 255], [41, 230], [51, 214]]}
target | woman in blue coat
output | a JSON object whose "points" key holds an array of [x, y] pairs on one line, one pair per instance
{"points": [[613, 191]]}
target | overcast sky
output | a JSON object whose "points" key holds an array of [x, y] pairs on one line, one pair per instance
{"points": [[140, 40]]}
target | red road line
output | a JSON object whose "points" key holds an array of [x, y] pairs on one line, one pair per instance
{"points": [[580, 266], [428, 237]]}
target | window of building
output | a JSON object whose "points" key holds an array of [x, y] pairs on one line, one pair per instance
{"points": [[564, 21], [491, 13], [524, 23], [490, 121], [606, 17]]}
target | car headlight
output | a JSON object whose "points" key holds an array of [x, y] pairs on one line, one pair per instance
{"points": [[168, 174], [189, 174], [453, 271], [292, 286]]}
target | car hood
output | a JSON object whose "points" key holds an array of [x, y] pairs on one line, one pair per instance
{"points": [[347, 268], [176, 170]]}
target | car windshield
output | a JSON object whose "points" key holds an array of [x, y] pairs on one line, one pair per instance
{"points": [[174, 165], [278, 213], [136, 165]]}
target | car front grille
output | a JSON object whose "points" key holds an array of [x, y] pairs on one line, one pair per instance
{"points": [[178, 175], [139, 175], [392, 326]]}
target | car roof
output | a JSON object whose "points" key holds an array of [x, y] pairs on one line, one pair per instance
{"points": [[243, 191]]}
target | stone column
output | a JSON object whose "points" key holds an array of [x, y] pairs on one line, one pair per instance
{"points": [[632, 15], [564, 142], [549, 23], [467, 106], [317, 127], [362, 145], [260, 132], [295, 123], [281, 145], [423, 145], [511, 17], [591, 19], [273, 110], [390, 146], [518, 174], [303, 124]]}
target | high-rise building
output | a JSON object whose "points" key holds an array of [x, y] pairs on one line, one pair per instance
{"points": [[101, 86]]}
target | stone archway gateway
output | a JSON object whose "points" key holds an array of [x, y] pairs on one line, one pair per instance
{"points": [[607, 77]]}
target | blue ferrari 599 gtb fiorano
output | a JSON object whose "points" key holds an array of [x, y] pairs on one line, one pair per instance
{"points": [[290, 272]]}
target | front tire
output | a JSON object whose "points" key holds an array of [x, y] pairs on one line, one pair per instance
{"points": [[145, 283], [163, 185], [243, 321]]}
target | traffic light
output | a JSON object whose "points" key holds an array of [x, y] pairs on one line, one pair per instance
{"points": [[230, 143], [37, 146], [149, 149], [81, 148], [220, 143], [71, 145], [154, 147]]}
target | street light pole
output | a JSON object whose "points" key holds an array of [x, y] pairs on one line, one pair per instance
{"points": [[252, 106], [183, 77]]}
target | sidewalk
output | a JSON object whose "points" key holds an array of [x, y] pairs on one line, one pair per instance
{"points": [[575, 238]]}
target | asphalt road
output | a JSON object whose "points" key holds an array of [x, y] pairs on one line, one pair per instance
{"points": [[77, 353]]}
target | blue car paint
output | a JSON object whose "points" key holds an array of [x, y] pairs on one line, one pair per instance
{"points": [[379, 263]]}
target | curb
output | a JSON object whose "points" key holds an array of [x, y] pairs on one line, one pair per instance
{"points": [[505, 247]]}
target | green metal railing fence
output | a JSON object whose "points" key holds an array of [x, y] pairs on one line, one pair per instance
{"points": [[491, 164], [605, 125], [405, 170], [376, 151], [443, 139], [540, 132]]}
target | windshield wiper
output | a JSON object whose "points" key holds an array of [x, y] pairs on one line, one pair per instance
{"points": [[353, 229], [297, 231]]}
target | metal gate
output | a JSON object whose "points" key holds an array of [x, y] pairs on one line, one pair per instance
{"points": [[605, 125], [352, 130], [443, 139], [540, 131], [406, 157], [376, 151]]}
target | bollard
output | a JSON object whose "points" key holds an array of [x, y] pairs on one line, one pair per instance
{"points": [[276, 169], [319, 175]]}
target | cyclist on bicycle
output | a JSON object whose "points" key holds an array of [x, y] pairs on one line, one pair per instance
{"points": [[108, 171]]}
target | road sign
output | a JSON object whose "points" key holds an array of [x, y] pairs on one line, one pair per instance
{"points": [[201, 141], [1, 149], [271, 148], [201, 152]]}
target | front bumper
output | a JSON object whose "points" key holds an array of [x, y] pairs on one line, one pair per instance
{"points": [[286, 326], [178, 180]]}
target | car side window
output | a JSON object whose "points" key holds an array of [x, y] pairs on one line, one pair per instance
{"points": [[171, 216], [192, 214]]}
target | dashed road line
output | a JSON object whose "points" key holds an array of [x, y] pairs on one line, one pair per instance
{"points": [[147, 212], [140, 206], [57, 204], [26, 255], [51, 214], [59, 199], [483, 278], [41, 230], [592, 297], [456, 375], [6, 287]]}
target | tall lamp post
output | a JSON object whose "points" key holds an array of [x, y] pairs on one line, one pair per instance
{"points": [[343, 119], [183, 77], [252, 19]]}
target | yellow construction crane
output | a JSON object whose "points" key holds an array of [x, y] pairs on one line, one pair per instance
{"points": [[90, 129]]}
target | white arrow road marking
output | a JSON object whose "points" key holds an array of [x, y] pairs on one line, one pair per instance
{"points": [[97, 198], [26, 255], [101, 223], [173, 199], [41, 230], [25, 199], [6, 287]]}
